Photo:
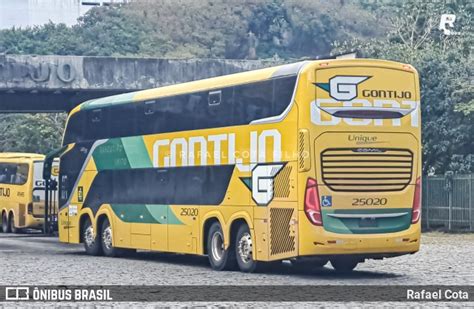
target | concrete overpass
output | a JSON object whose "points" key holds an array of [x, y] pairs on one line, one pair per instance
{"points": [[58, 83]]}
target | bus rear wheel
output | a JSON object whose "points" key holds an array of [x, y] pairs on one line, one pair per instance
{"points": [[219, 257], [344, 265], [107, 243], [5, 225], [13, 229], [91, 239], [244, 250]]}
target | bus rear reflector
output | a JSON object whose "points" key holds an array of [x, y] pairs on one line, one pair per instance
{"points": [[416, 210], [312, 208]]}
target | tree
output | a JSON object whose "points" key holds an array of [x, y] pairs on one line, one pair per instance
{"points": [[37, 133], [443, 63], [201, 28]]}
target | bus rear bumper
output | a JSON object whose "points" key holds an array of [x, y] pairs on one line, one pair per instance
{"points": [[364, 245], [33, 223]]}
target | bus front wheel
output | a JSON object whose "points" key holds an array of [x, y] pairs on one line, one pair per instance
{"points": [[91, 239], [219, 257]]}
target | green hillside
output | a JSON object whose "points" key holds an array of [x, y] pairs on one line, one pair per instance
{"points": [[404, 31]]}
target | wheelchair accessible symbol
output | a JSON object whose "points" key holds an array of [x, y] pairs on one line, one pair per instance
{"points": [[326, 200]]}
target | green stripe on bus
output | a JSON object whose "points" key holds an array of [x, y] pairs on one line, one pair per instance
{"points": [[111, 156], [108, 101], [160, 211], [133, 213], [142, 213], [354, 225], [136, 152]]}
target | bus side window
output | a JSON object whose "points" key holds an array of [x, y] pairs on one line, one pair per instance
{"points": [[21, 175], [214, 98], [95, 128], [96, 116], [199, 103], [253, 101], [76, 130], [218, 108], [14, 174], [3, 173], [121, 121], [149, 108], [177, 113], [283, 89], [148, 117], [162, 177]]}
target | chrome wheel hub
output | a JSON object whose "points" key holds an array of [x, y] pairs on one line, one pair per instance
{"points": [[217, 246], [89, 236], [245, 248], [107, 238]]}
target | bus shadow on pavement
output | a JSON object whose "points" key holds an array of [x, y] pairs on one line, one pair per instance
{"points": [[329, 273], [170, 258], [23, 234], [276, 269]]}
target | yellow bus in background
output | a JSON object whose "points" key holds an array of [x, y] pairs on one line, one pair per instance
{"points": [[22, 191], [311, 162]]}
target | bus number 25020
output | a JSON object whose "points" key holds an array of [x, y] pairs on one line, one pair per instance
{"points": [[189, 212], [369, 201]]}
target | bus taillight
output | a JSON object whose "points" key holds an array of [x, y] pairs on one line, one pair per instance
{"points": [[416, 211], [312, 208]]}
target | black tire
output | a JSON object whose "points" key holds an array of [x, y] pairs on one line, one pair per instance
{"points": [[11, 222], [106, 241], [219, 258], [91, 243], [244, 250], [5, 225], [344, 265]]}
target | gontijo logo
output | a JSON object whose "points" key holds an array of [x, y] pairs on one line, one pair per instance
{"points": [[344, 100], [343, 87]]}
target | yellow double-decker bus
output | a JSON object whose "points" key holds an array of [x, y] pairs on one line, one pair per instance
{"points": [[22, 192], [312, 162]]}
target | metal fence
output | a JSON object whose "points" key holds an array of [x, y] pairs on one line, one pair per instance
{"points": [[448, 202]]}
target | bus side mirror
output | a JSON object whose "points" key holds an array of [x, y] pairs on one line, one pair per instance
{"points": [[48, 161], [47, 169]]}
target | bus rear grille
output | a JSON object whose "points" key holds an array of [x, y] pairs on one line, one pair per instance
{"points": [[282, 183], [301, 145], [281, 240], [366, 169]]}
